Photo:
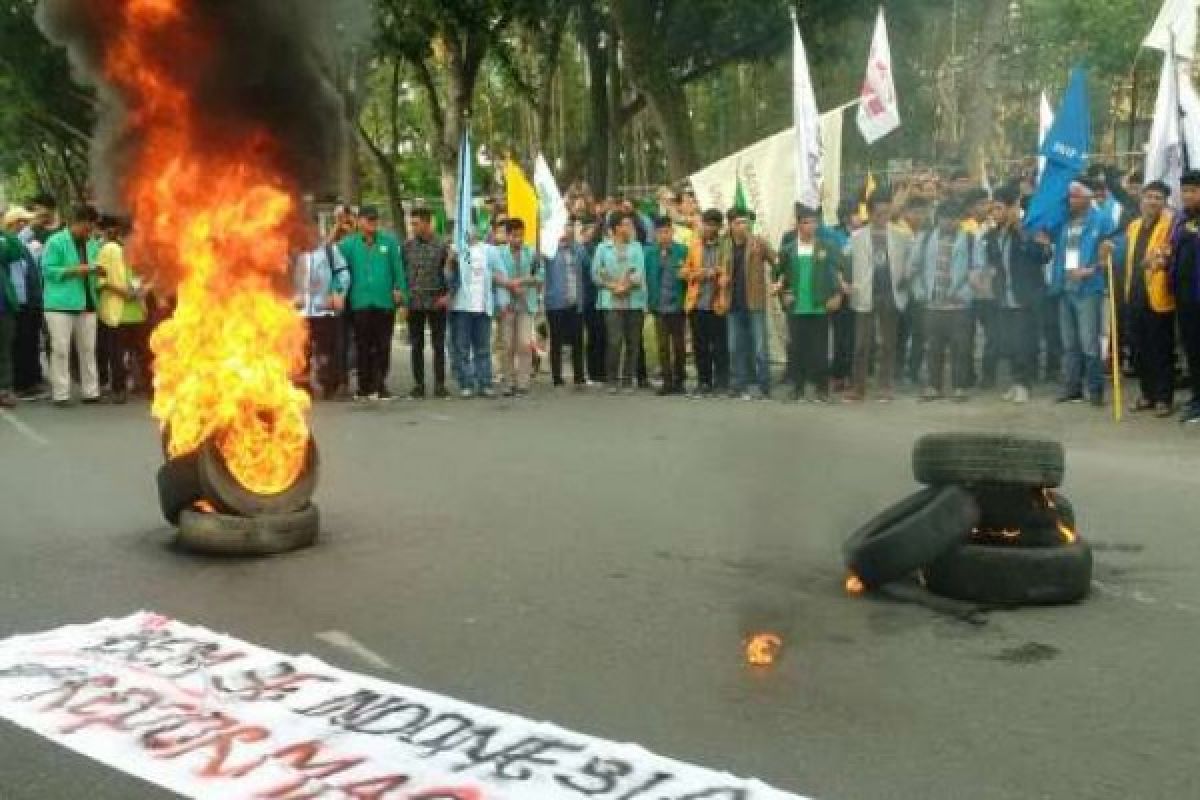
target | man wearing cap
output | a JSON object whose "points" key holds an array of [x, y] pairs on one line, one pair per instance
{"points": [[1078, 273], [69, 264], [742, 293], [710, 332], [1184, 275], [1145, 293], [377, 288], [878, 291], [425, 259]]}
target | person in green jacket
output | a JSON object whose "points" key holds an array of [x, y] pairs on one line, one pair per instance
{"points": [[377, 288], [667, 290], [9, 309], [69, 267], [806, 279]]}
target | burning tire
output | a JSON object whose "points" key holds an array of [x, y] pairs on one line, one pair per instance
{"points": [[179, 486], [230, 497], [1007, 577], [1017, 515], [942, 459], [911, 534], [262, 535]]}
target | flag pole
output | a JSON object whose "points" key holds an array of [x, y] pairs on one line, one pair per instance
{"points": [[1114, 341]]}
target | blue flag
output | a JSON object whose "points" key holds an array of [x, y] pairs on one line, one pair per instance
{"points": [[463, 204], [1066, 151]]}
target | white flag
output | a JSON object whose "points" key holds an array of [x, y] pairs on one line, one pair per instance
{"points": [[879, 109], [831, 142], [552, 209], [1045, 123], [1176, 20], [1164, 152], [809, 165]]}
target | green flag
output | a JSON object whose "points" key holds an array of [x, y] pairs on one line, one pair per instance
{"points": [[740, 203]]}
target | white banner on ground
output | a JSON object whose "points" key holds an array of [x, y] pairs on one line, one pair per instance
{"points": [[210, 716]]}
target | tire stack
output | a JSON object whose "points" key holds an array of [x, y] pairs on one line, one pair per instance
{"points": [[215, 514], [989, 528]]}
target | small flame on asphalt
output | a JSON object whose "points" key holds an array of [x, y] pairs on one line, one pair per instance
{"points": [[854, 584], [762, 649]]}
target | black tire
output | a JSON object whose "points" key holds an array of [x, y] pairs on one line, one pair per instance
{"points": [[1008, 577], [910, 535], [230, 497], [941, 459], [1034, 513], [268, 534], [179, 486]]}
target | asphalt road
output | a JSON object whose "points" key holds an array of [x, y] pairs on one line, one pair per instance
{"points": [[595, 561]]}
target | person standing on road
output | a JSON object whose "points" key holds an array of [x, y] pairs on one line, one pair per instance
{"points": [[619, 270], [20, 268], [742, 292], [1017, 261], [10, 308], [879, 260], [1184, 275], [521, 277], [469, 277], [564, 305], [122, 306], [666, 289], [710, 331], [1078, 274], [1141, 253], [322, 278], [941, 270], [806, 278], [377, 288], [425, 260], [69, 264]]}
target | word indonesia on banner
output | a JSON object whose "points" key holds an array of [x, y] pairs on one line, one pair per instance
{"points": [[210, 716]]}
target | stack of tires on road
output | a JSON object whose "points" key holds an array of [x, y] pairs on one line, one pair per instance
{"points": [[215, 514], [989, 529]]}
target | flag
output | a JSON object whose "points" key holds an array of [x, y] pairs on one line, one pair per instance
{"points": [[878, 108], [465, 191], [868, 190], [1066, 149], [1045, 122], [522, 200], [1164, 151], [552, 209], [741, 203], [831, 144], [1176, 21], [809, 163]]}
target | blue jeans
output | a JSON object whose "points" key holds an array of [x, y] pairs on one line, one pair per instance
{"points": [[453, 347], [1082, 318], [473, 356], [748, 348]]}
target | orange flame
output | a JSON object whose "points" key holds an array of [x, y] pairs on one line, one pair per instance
{"points": [[762, 649], [214, 219], [854, 584]]}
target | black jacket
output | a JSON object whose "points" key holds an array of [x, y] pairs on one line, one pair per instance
{"points": [[1027, 261]]}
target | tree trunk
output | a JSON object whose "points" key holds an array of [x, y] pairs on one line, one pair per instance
{"points": [[982, 90], [600, 129]]}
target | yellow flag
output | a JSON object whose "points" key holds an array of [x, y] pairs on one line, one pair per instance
{"points": [[868, 190], [522, 201]]}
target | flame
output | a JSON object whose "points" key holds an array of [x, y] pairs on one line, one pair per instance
{"points": [[1070, 536], [762, 649], [204, 507], [214, 218], [854, 584]]}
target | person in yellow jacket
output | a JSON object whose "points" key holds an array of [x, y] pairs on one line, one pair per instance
{"points": [[1141, 260], [122, 306]]}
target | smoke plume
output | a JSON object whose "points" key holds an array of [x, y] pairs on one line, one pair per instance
{"points": [[249, 66]]}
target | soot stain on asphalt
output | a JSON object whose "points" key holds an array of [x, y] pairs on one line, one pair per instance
{"points": [[1028, 653], [1117, 547]]}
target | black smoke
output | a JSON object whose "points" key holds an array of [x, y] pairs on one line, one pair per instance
{"points": [[248, 65]]}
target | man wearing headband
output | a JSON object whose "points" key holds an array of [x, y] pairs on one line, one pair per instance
{"points": [[1078, 275]]}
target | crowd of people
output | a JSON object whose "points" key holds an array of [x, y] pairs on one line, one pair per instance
{"points": [[933, 285]]}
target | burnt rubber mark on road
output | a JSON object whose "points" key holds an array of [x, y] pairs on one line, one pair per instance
{"points": [[1028, 653]]}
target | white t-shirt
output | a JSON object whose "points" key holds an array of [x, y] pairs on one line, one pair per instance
{"points": [[476, 281]]}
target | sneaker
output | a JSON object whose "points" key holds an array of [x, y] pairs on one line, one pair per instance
{"points": [[822, 398], [1070, 397], [441, 393], [359, 397], [417, 393], [466, 394], [747, 396], [1021, 396], [374, 397]]}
